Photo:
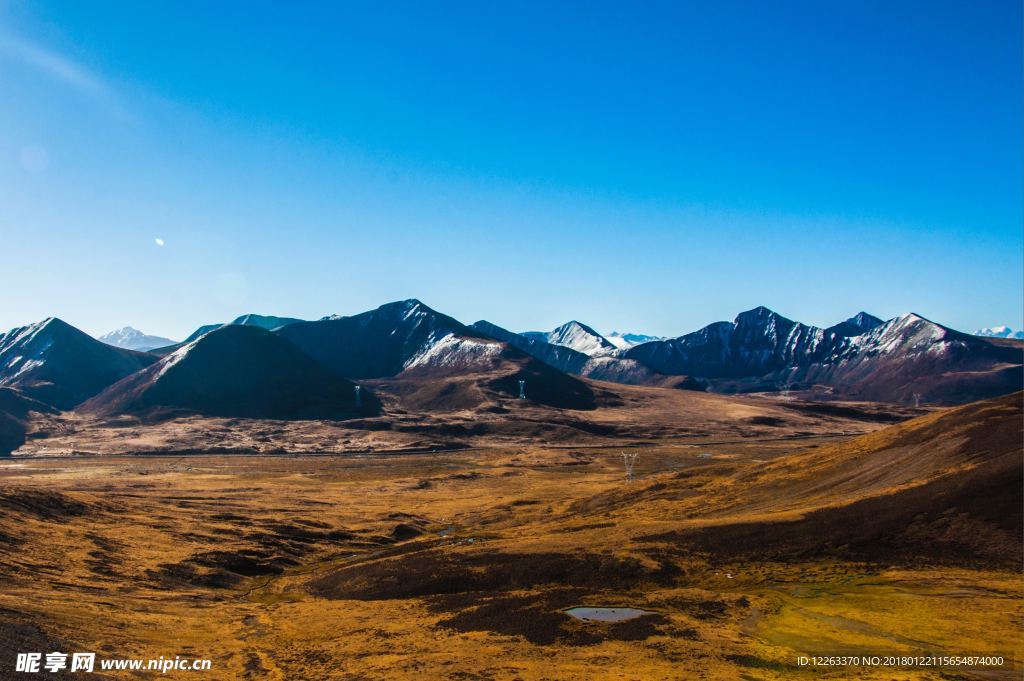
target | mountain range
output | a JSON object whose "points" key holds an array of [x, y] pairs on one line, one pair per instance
{"points": [[55, 363], [279, 367], [237, 370], [906, 359]]}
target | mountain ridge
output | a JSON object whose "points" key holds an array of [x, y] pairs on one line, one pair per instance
{"points": [[908, 358], [236, 370], [55, 363], [268, 322]]}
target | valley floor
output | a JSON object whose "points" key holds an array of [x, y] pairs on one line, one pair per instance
{"points": [[458, 565]]}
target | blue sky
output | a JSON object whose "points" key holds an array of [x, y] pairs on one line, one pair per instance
{"points": [[638, 166]]}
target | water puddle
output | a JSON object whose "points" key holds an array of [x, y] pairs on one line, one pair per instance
{"points": [[606, 614]]}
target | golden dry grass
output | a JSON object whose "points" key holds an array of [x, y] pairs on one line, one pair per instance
{"points": [[287, 567]]}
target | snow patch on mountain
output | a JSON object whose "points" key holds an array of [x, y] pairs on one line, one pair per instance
{"points": [[455, 351], [175, 357], [32, 351]]}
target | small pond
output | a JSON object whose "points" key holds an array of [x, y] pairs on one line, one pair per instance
{"points": [[588, 614]]}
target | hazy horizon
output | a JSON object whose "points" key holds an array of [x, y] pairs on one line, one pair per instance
{"points": [[527, 165]]}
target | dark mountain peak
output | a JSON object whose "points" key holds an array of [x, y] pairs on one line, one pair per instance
{"points": [[860, 323], [54, 326], [491, 329], [205, 328], [407, 305], [268, 322], [399, 308], [55, 322], [865, 321], [762, 329], [224, 335], [54, 362], [380, 342], [237, 370], [758, 316]]}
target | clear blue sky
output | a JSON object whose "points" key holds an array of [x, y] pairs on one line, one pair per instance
{"points": [[646, 166]]}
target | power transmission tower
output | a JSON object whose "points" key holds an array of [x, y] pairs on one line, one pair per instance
{"points": [[629, 458]]}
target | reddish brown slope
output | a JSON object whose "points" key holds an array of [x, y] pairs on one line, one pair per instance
{"points": [[946, 487]]}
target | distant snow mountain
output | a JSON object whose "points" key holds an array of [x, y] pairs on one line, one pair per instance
{"points": [[577, 336], [624, 341], [1000, 332], [133, 339]]}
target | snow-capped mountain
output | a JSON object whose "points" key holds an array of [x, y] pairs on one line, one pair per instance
{"points": [[443, 363], [1000, 332], [390, 339], [625, 341], [54, 362], [910, 358], [237, 370], [561, 357], [577, 336], [448, 365], [603, 367], [133, 339], [755, 343], [905, 359]]}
